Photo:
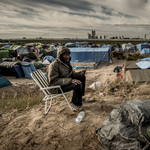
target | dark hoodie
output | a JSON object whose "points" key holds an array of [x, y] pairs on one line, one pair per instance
{"points": [[59, 73]]}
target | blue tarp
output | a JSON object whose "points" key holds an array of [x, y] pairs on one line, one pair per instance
{"points": [[50, 58], [27, 69], [145, 51], [148, 58], [90, 54], [142, 46], [79, 67], [143, 64], [70, 44], [6, 46]]}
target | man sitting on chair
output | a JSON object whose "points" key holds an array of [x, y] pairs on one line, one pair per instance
{"points": [[60, 72]]}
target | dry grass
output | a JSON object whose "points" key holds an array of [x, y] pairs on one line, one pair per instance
{"points": [[127, 91], [23, 101]]}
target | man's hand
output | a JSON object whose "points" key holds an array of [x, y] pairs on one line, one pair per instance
{"points": [[82, 73], [75, 81]]}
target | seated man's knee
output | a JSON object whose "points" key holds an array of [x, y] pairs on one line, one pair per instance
{"points": [[79, 86]]}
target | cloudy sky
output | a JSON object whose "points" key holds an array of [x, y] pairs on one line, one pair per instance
{"points": [[74, 18]]}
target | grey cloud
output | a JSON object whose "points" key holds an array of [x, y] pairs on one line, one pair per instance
{"points": [[86, 15], [16, 26], [113, 12], [76, 5]]}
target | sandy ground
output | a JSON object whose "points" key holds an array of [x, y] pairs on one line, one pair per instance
{"points": [[58, 130]]}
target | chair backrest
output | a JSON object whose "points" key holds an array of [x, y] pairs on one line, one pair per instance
{"points": [[41, 80]]}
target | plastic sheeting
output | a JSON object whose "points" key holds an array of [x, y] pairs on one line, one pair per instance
{"points": [[142, 46], [145, 51], [90, 54], [28, 69], [50, 58], [122, 129], [143, 64], [79, 67], [148, 58]]}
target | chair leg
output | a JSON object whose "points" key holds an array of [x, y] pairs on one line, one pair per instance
{"points": [[46, 110], [65, 98], [67, 101]]}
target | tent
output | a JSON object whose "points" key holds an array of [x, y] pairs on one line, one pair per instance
{"points": [[124, 46], [140, 47], [6, 46], [145, 51], [127, 127], [70, 44], [11, 69], [38, 46], [4, 54], [49, 58], [46, 62], [28, 69], [90, 54], [4, 82], [21, 50], [29, 55]]}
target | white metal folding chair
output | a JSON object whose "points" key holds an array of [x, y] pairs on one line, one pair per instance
{"points": [[41, 80]]}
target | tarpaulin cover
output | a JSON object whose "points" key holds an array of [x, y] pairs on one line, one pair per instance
{"points": [[6, 46], [50, 58], [27, 69], [143, 64], [141, 46], [79, 67], [122, 128], [148, 58], [145, 51], [90, 54]]}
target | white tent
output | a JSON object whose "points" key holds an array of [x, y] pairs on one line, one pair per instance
{"points": [[46, 62], [127, 46]]}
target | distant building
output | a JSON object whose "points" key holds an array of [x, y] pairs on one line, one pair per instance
{"points": [[93, 35], [24, 38], [89, 36]]}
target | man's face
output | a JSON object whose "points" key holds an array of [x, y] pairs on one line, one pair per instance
{"points": [[66, 57]]}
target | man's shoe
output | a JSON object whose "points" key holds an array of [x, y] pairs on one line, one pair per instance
{"points": [[76, 107], [80, 108]]}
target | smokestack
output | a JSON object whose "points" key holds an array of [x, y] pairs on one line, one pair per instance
{"points": [[145, 36]]}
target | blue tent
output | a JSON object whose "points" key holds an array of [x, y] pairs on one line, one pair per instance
{"points": [[145, 51], [4, 82], [90, 54], [28, 69], [6, 46], [142, 46]]}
